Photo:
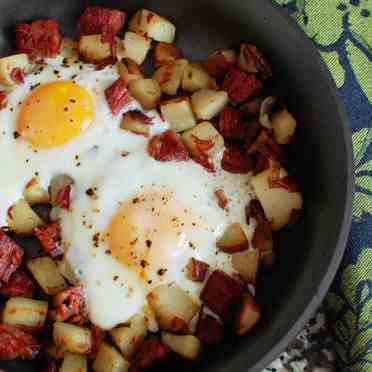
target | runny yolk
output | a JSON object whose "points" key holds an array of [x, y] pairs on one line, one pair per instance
{"points": [[55, 113], [149, 232]]}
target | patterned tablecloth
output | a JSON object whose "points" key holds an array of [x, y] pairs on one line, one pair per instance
{"points": [[342, 32]]}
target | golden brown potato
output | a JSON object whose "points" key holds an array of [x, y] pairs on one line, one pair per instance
{"points": [[67, 271], [136, 122], [136, 47], [109, 360], [69, 49], [247, 316], [277, 202], [204, 133], [74, 363], [72, 338], [173, 307], [129, 70], [46, 273], [146, 91], [92, 49], [22, 219], [233, 239], [219, 62], [165, 53], [25, 313], [170, 75], [8, 64], [188, 346], [178, 113], [57, 184], [246, 264], [128, 337], [195, 78], [208, 103], [152, 25], [34, 193], [284, 127]]}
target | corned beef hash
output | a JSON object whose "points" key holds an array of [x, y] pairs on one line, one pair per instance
{"points": [[153, 198]]}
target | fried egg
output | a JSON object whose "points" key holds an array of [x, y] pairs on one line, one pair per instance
{"points": [[133, 222]]}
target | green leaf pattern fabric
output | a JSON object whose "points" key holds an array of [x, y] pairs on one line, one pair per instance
{"points": [[342, 32]]}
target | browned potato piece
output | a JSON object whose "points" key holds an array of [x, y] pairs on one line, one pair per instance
{"points": [[247, 316], [195, 78], [208, 103], [22, 219], [74, 363], [46, 273], [173, 307], [170, 75], [188, 346], [136, 122], [277, 203], [178, 113], [129, 70], [152, 25], [166, 53], [128, 337], [284, 127], [204, 133], [146, 91], [72, 338], [92, 49], [57, 184], [219, 62], [246, 264], [7, 64], [266, 109], [136, 47], [66, 271], [25, 313], [34, 193], [109, 360], [233, 239], [69, 49]]}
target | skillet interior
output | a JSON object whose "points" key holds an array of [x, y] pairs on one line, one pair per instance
{"points": [[310, 253]]}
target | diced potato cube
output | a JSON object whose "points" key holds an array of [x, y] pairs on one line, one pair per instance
{"points": [[129, 70], [169, 76], [188, 346], [57, 184], [277, 203], [146, 91], [34, 193], [247, 316], [246, 264], [74, 363], [72, 338], [173, 307], [205, 133], [284, 127], [22, 219], [219, 62], [208, 103], [195, 78], [7, 64], [178, 113], [92, 49], [136, 122], [128, 337], [166, 53], [109, 360], [47, 275], [25, 313], [136, 47], [233, 239], [69, 49], [67, 271], [152, 25]]}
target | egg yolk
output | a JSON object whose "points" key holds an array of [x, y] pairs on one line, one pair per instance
{"points": [[149, 232], [55, 113]]}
